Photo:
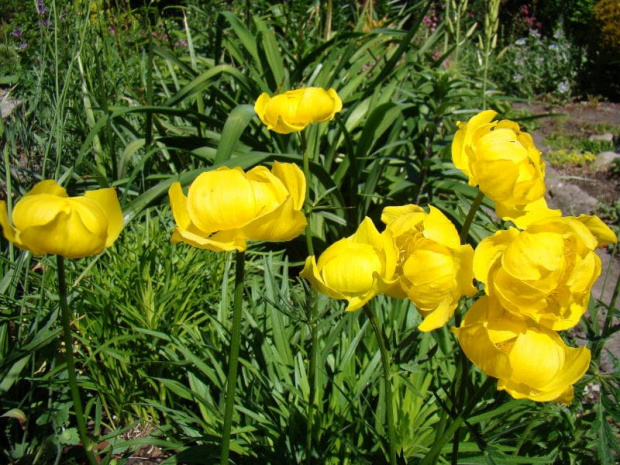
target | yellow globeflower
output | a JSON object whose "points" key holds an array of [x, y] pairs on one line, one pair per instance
{"points": [[545, 272], [226, 207], [504, 163], [435, 269], [46, 220], [356, 268], [529, 360], [292, 111]]}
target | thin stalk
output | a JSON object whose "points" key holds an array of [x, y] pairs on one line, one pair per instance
{"points": [[9, 184], [233, 359], [385, 362], [306, 167], [470, 216], [311, 310], [66, 317], [614, 297]]}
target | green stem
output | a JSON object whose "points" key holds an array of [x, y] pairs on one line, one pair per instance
{"points": [[66, 317], [470, 216], [311, 309], [234, 356], [306, 166], [614, 297], [385, 362]]}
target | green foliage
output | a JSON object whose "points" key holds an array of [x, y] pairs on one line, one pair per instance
{"points": [[607, 15], [610, 213], [136, 99], [10, 64], [570, 157], [537, 65]]}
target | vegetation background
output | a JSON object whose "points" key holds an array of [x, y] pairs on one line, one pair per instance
{"points": [[137, 95]]}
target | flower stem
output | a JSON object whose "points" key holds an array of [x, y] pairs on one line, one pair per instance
{"points": [[385, 362], [66, 317], [306, 166], [311, 309], [233, 359], [470, 216]]}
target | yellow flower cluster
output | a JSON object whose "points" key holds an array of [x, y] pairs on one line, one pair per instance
{"points": [[417, 256], [537, 277]]}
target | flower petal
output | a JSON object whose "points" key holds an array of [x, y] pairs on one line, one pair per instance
{"points": [[108, 201], [294, 181], [221, 199]]}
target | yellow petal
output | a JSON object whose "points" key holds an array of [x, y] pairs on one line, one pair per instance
{"points": [[10, 233], [282, 224], [489, 251], [294, 181], [603, 234], [219, 242], [390, 214], [438, 317], [463, 140], [317, 105], [536, 358], [108, 201], [311, 273], [440, 229], [260, 107], [178, 204], [367, 234], [523, 216], [48, 186], [221, 199], [352, 270], [534, 256], [76, 227], [476, 341], [269, 191]]}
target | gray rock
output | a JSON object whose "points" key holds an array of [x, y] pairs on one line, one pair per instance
{"points": [[569, 198], [607, 137], [7, 106], [605, 159]]}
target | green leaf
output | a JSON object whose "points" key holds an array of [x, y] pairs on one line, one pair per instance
{"points": [[16, 413], [235, 124], [69, 437]]}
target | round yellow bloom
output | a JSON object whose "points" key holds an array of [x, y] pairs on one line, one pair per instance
{"points": [[546, 271], [529, 360], [292, 111], [503, 161], [435, 269], [46, 220], [356, 268], [226, 207]]}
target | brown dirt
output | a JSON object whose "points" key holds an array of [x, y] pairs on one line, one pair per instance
{"points": [[582, 119]]}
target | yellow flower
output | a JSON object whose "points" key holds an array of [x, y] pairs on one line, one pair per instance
{"points": [[546, 271], [504, 163], [529, 360], [356, 268], [226, 207], [292, 111], [47, 220], [435, 269]]}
